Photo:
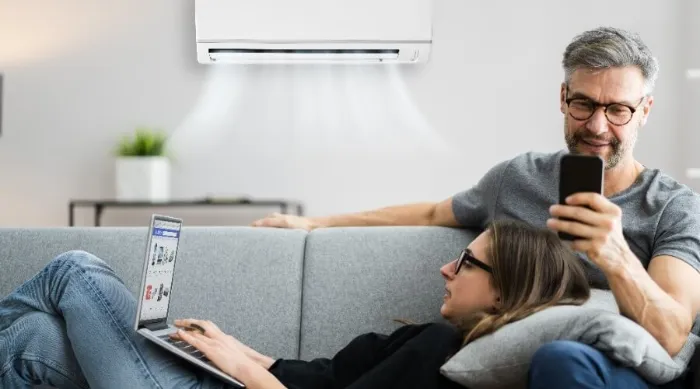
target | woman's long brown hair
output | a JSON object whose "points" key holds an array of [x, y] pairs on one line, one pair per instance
{"points": [[533, 270]]}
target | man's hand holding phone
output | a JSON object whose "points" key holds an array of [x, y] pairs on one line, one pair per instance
{"points": [[585, 216], [597, 229]]}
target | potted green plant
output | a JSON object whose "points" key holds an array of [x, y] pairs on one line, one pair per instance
{"points": [[142, 166]]}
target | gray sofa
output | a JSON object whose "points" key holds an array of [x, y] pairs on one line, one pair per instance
{"points": [[287, 293]]}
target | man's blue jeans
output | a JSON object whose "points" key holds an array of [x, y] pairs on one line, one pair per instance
{"points": [[572, 365], [71, 326]]}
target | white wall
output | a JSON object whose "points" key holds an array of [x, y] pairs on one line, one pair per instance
{"points": [[690, 94], [79, 74]]}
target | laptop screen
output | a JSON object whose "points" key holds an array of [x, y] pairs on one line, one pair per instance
{"points": [[164, 239]]}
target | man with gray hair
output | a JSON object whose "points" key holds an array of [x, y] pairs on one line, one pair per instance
{"points": [[650, 258]]}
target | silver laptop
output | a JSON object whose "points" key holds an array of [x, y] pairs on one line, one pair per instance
{"points": [[157, 291]]}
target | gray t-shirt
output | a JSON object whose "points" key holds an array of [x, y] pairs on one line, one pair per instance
{"points": [[659, 215]]}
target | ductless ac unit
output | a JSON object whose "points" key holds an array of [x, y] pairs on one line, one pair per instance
{"points": [[313, 31]]}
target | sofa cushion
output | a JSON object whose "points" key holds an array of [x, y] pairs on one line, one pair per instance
{"points": [[246, 280], [358, 280], [502, 359]]}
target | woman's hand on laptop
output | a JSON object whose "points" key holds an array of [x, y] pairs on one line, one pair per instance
{"points": [[231, 360], [212, 331], [225, 354]]}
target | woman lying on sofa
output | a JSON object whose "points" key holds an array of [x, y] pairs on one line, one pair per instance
{"points": [[71, 326]]}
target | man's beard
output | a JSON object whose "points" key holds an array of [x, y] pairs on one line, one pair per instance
{"points": [[618, 149]]}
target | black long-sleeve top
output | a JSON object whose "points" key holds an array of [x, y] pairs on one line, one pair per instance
{"points": [[408, 358]]}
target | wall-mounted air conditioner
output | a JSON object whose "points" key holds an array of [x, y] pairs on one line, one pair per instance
{"points": [[313, 31]]}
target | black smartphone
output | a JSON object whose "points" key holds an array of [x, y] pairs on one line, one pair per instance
{"points": [[579, 173]]}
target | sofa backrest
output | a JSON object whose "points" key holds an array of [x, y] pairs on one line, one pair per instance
{"points": [[286, 293], [358, 280], [246, 280]]}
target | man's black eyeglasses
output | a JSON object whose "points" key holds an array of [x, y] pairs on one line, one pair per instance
{"points": [[581, 108], [468, 257]]}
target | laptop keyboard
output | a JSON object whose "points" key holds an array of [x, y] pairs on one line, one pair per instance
{"points": [[187, 348]]}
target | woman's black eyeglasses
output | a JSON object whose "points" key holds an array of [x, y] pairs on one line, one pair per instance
{"points": [[467, 256]]}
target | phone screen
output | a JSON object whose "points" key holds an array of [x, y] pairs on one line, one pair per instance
{"points": [[579, 173]]}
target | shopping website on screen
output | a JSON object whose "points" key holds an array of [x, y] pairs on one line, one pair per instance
{"points": [[159, 274]]}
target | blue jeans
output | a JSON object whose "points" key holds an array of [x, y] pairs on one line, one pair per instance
{"points": [[571, 365], [71, 326]]}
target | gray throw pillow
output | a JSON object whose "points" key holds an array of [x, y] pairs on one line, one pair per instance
{"points": [[502, 359]]}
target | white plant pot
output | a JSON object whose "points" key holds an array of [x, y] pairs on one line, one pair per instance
{"points": [[143, 178]]}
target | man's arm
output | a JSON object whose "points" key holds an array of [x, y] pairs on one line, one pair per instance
{"points": [[416, 214], [472, 207], [663, 299]]}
